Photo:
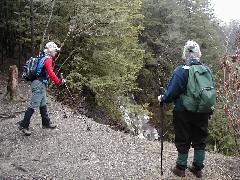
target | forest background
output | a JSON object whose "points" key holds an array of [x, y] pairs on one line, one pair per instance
{"points": [[119, 53]]}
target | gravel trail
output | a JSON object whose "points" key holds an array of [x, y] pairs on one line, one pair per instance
{"points": [[80, 148]]}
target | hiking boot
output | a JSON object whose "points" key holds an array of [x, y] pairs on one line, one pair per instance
{"points": [[26, 132], [177, 171], [49, 126], [197, 173]]}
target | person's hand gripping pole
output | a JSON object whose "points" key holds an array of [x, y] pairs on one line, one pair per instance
{"points": [[62, 79]]}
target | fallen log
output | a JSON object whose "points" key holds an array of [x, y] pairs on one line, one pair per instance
{"points": [[10, 115]]}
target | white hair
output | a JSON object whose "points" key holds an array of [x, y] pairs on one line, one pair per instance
{"points": [[49, 50], [191, 51]]}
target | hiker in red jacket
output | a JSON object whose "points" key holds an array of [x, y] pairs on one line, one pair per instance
{"points": [[38, 87]]}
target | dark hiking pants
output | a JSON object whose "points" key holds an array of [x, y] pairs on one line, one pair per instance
{"points": [[190, 129]]}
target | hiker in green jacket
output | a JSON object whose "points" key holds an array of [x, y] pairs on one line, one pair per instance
{"points": [[191, 129]]}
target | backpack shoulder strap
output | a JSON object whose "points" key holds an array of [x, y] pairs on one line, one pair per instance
{"points": [[186, 67], [199, 68], [41, 63]]}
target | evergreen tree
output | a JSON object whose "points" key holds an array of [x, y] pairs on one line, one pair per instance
{"points": [[168, 25], [107, 58]]}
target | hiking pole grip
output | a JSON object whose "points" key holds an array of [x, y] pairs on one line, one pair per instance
{"points": [[61, 75], [62, 79]]}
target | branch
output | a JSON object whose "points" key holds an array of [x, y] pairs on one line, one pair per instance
{"points": [[68, 34], [224, 172], [45, 31], [42, 6], [65, 61]]}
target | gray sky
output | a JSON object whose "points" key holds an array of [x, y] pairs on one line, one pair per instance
{"points": [[226, 9]]}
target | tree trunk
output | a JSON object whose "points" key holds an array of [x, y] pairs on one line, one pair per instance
{"points": [[12, 86], [32, 28]]}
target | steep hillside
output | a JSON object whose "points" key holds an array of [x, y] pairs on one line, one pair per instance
{"points": [[80, 148]]}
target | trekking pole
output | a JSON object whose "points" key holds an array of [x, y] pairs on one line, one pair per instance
{"points": [[61, 75], [161, 134], [78, 107], [161, 113], [65, 114]]}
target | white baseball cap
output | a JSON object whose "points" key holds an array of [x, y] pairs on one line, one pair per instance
{"points": [[52, 46]]}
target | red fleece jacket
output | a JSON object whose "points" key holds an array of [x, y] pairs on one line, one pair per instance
{"points": [[49, 67]]}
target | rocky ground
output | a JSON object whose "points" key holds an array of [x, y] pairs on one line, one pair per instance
{"points": [[81, 148]]}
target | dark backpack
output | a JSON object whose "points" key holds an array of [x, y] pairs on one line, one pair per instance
{"points": [[201, 92], [33, 67]]}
